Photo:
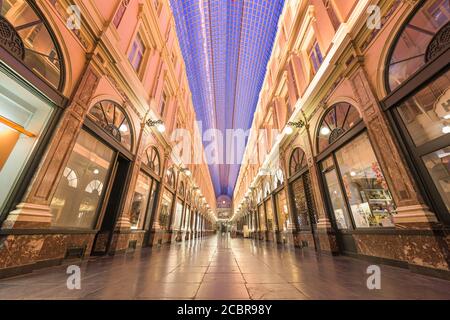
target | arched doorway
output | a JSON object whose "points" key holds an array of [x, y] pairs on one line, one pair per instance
{"points": [[300, 190], [99, 163], [356, 192]]}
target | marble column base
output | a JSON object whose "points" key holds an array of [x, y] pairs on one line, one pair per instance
{"points": [[28, 216], [414, 217]]}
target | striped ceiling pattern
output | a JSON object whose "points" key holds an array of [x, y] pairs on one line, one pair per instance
{"points": [[226, 45]]}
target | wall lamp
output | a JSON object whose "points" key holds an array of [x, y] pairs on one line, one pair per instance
{"points": [[159, 124], [293, 124], [186, 171]]}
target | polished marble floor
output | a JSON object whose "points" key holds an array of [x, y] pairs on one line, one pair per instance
{"points": [[219, 267]]}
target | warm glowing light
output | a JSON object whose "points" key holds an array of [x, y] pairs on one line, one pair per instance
{"points": [[353, 173], [325, 131], [288, 130], [96, 171], [161, 127], [123, 128], [446, 129], [447, 117]]}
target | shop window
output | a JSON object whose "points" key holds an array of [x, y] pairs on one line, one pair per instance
{"points": [[340, 118], [315, 57], [23, 120], [422, 38], [282, 211], [427, 113], [76, 205], [262, 218], [438, 166], [178, 215], [152, 157], [140, 202], [271, 226], [363, 182], [137, 52], [297, 161], [112, 118], [166, 207], [120, 12], [28, 38]]}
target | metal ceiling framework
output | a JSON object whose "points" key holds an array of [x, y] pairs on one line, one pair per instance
{"points": [[226, 45]]}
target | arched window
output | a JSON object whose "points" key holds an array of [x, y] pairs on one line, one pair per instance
{"points": [[26, 35], [297, 161], [153, 159], [71, 176], [423, 37], [94, 185], [170, 178], [266, 188], [337, 120], [113, 119]]}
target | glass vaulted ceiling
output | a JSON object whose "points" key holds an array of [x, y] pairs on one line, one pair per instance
{"points": [[226, 45]]}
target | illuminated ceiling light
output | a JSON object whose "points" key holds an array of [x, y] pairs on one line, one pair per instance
{"points": [[96, 171], [447, 117], [353, 173], [325, 131], [446, 129], [123, 128], [288, 130]]}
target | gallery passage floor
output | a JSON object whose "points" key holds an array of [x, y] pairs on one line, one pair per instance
{"points": [[219, 267]]}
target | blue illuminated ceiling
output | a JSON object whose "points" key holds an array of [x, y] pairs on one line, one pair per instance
{"points": [[226, 45]]}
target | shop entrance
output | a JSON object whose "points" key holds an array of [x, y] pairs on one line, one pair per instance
{"points": [[112, 206]]}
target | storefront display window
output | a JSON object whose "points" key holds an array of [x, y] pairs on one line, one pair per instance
{"points": [[337, 198], [366, 189], [187, 221], [81, 188], [140, 201], [271, 226], [262, 218], [178, 215], [438, 166], [166, 206], [301, 208], [427, 114], [23, 119], [282, 211]]}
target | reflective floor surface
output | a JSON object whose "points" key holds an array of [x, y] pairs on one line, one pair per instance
{"points": [[219, 267]]}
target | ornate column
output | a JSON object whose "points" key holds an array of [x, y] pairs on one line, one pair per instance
{"points": [[34, 210]]}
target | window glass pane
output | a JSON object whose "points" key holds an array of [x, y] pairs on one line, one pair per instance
{"points": [[337, 200], [178, 215], [300, 204], [166, 206], [367, 191], [262, 218], [409, 51], [438, 165], [271, 226], [17, 142], [76, 204], [187, 220], [427, 114], [284, 220], [40, 50], [140, 201]]}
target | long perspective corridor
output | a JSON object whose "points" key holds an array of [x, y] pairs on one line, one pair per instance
{"points": [[226, 269], [224, 149]]}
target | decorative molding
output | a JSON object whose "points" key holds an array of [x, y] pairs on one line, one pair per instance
{"points": [[10, 39], [439, 44]]}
